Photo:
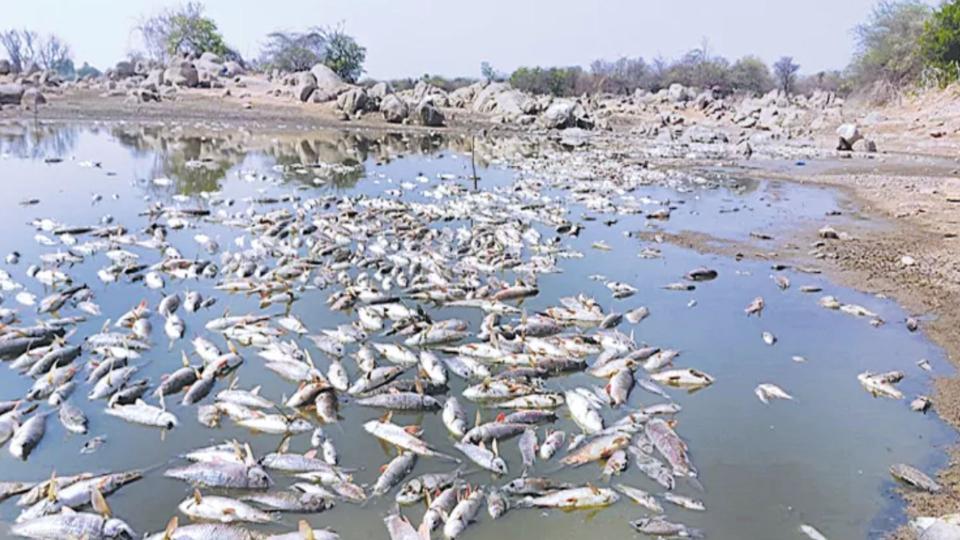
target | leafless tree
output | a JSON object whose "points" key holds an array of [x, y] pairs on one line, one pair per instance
{"points": [[25, 47]]}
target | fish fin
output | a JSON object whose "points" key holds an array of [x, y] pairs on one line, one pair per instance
{"points": [[99, 503], [284, 445], [255, 390], [306, 533], [170, 528], [197, 497], [496, 448], [184, 359], [249, 460], [476, 419]]}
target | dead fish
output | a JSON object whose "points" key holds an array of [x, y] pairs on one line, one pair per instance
{"points": [[463, 514], [782, 281], [811, 532], [701, 274], [879, 385], [393, 472], [74, 525], [641, 497], [660, 527], [73, 418], [551, 443], [579, 497], [28, 436], [684, 502], [93, 444], [688, 378], [766, 391], [755, 307], [921, 404], [634, 316], [221, 509], [497, 504]]}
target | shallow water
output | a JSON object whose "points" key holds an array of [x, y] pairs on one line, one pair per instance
{"points": [[821, 459]]}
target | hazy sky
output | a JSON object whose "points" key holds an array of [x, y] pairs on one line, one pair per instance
{"points": [[452, 37]]}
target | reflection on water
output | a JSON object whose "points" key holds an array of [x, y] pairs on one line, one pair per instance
{"points": [[820, 459]]}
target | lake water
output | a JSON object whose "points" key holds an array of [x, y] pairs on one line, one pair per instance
{"points": [[821, 459]]}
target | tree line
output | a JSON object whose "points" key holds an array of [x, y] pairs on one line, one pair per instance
{"points": [[902, 43]]}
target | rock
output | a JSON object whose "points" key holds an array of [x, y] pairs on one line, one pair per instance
{"points": [[306, 84], [907, 260], [871, 147], [677, 93], [181, 73], [11, 93], [393, 108], [744, 149], [429, 115], [124, 69], [5, 67], [769, 118], [566, 113], [32, 97], [574, 137], [154, 79], [379, 91], [353, 101], [463, 96], [485, 99], [914, 477], [145, 94], [514, 103], [232, 69], [848, 134], [704, 135], [209, 58], [329, 84], [828, 233]]}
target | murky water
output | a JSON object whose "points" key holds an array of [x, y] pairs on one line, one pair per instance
{"points": [[821, 459]]}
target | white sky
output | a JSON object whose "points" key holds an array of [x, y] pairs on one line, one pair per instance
{"points": [[452, 37]]}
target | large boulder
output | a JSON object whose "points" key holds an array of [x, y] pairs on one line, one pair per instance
{"points": [[429, 115], [11, 93], [181, 73], [678, 93], [393, 108], [566, 113], [463, 96], [5, 67], [329, 84], [486, 98], [305, 85], [380, 91], [514, 103], [353, 101], [848, 134], [124, 69]]}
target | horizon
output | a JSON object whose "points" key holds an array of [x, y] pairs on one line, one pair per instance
{"points": [[461, 36]]}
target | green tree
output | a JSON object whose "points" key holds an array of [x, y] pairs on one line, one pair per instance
{"points": [[487, 71], [182, 30], [344, 55], [750, 74], [940, 41], [888, 44]]}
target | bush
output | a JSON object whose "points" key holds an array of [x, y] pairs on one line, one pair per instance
{"points": [[555, 81], [888, 44], [299, 51], [940, 41], [183, 30], [750, 74]]}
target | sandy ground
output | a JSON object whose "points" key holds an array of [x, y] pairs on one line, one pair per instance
{"points": [[908, 199]]}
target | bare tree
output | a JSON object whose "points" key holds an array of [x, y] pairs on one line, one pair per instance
{"points": [[786, 73], [25, 47]]}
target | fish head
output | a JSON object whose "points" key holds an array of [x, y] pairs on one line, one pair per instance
{"points": [[499, 465], [117, 529], [258, 477], [300, 425]]}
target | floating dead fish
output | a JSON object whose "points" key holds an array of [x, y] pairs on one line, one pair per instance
{"points": [[914, 477], [766, 391]]}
